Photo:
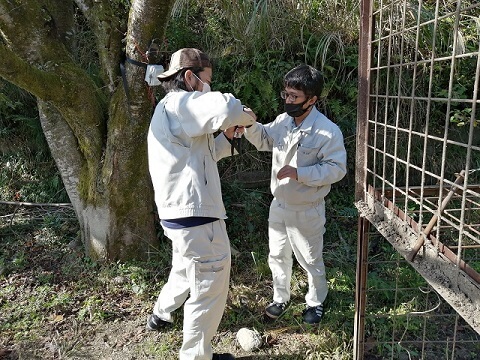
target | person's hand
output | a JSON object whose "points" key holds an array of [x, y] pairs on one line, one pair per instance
{"points": [[234, 131], [287, 172], [250, 112]]}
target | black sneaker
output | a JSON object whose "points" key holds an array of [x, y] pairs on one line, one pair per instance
{"points": [[225, 356], [313, 314], [275, 309], [155, 323]]}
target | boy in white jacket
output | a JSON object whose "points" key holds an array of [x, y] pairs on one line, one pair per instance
{"points": [[182, 157], [308, 156]]}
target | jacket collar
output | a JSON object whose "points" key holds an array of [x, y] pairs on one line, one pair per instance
{"points": [[307, 124]]}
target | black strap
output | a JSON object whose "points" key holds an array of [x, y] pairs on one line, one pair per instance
{"points": [[125, 83], [138, 63], [236, 143], [125, 86], [124, 74]]}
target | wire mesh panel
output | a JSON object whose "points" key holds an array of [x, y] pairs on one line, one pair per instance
{"points": [[418, 172], [405, 317]]}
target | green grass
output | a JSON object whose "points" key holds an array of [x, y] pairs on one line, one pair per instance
{"points": [[50, 290], [55, 303]]}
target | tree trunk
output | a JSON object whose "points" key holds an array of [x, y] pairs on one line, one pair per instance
{"points": [[98, 141]]}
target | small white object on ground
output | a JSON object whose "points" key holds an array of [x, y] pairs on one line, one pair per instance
{"points": [[248, 339]]}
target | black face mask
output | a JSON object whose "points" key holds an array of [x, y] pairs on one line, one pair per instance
{"points": [[296, 110]]}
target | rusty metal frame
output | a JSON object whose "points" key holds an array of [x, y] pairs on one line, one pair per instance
{"points": [[443, 249], [376, 196], [366, 27]]}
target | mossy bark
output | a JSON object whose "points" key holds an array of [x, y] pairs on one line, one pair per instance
{"points": [[97, 139]]}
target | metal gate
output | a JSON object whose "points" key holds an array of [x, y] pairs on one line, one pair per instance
{"points": [[418, 180]]}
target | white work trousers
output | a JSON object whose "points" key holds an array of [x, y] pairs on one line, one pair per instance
{"points": [[200, 267], [300, 231]]}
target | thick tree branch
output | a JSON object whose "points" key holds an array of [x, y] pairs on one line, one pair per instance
{"points": [[147, 21], [35, 58], [99, 145], [107, 18], [67, 88]]}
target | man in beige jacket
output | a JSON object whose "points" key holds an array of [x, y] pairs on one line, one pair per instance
{"points": [[308, 157], [182, 157]]}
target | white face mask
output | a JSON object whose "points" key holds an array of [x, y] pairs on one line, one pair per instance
{"points": [[206, 87]]}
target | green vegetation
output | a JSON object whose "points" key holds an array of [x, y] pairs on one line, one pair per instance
{"points": [[445, 79], [48, 288], [28, 172], [52, 296]]}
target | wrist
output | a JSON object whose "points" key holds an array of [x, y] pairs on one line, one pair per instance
{"points": [[226, 136]]}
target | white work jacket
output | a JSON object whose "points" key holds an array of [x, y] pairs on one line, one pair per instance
{"points": [[315, 149], [182, 151]]}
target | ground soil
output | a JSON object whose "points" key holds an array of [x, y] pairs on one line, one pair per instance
{"points": [[105, 317]]}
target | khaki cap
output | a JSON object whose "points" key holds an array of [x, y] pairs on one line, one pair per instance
{"points": [[186, 58]]}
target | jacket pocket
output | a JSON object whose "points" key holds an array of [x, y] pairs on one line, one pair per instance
{"points": [[306, 155]]}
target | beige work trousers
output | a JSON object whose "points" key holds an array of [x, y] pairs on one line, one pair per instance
{"points": [[300, 232], [200, 267]]}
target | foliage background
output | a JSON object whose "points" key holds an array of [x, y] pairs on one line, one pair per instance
{"points": [[67, 297]]}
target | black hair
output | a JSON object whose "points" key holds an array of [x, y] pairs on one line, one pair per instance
{"points": [[177, 80], [305, 78]]}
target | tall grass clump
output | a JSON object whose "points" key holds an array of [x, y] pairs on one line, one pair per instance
{"points": [[255, 43]]}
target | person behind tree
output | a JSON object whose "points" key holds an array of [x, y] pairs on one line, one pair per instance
{"points": [[182, 159], [308, 157]]}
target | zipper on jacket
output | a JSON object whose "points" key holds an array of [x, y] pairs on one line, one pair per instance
{"points": [[205, 171]]}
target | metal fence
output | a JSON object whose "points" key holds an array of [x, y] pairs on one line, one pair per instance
{"points": [[418, 180]]}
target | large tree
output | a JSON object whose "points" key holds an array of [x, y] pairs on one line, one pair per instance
{"points": [[96, 133]]}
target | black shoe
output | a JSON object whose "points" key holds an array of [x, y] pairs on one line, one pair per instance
{"points": [[274, 310], [313, 314], [225, 356], [155, 323]]}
